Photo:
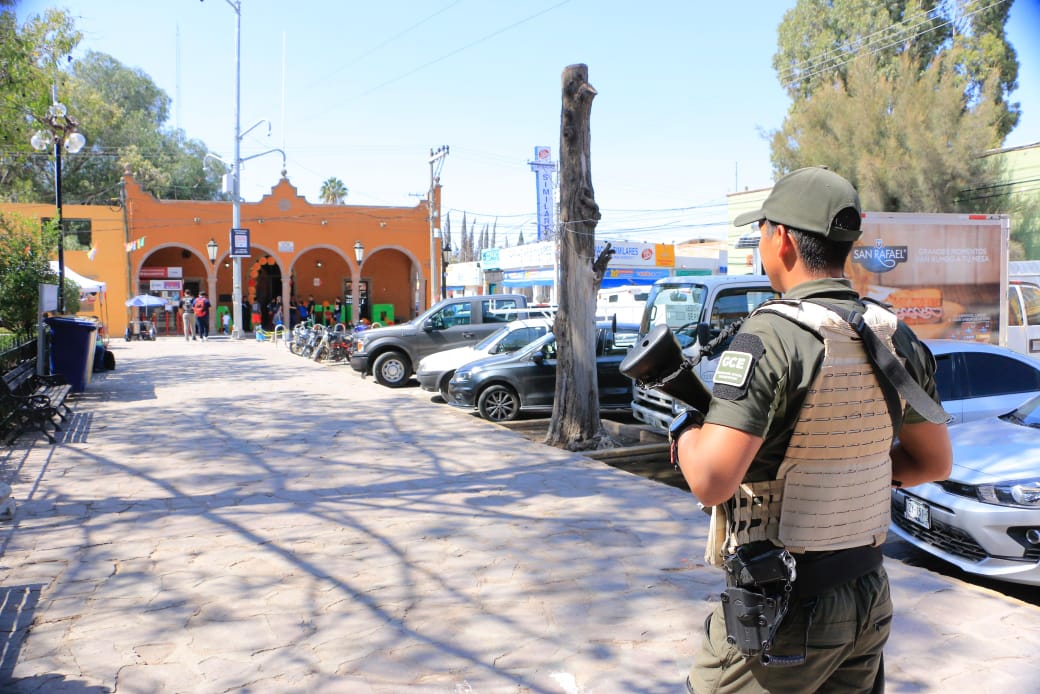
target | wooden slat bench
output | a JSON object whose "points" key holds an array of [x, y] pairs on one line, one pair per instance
{"points": [[32, 401]]}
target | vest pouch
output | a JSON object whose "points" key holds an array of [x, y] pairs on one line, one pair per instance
{"points": [[759, 564]]}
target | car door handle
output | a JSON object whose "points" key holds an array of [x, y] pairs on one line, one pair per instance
{"points": [[469, 335]]}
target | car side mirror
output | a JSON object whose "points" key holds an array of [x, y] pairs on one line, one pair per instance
{"points": [[538, 357], [703, 333], [428, 325]]}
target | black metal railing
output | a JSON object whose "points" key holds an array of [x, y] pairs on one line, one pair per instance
{"points": [[15, 349]]}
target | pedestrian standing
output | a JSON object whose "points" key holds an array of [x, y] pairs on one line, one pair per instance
{"points": [[797, 454], [188, 315], [201, 308]]}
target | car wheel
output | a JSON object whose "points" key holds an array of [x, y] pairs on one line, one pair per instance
{"points": [[444, 384], [392, 369], [498, 404]]}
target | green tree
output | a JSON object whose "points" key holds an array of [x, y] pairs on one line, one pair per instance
{"points": [[123, 115], [906, 141], [29, 68], [24, 253], [904, 109], [333, 191], [818, 39], [120, 111]]}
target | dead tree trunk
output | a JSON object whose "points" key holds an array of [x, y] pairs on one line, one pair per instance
{"points": [[575, 423]]}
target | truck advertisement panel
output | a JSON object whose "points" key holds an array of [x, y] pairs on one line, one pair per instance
{"points": [[944, 274]]}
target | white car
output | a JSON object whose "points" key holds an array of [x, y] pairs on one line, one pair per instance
{"points": [[985, 518], [978, 380], [435, 371]]}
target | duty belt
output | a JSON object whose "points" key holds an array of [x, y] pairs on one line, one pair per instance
{"points": [[818, 572]]}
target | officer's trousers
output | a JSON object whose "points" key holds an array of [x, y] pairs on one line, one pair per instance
{"points": [[841, 632]]}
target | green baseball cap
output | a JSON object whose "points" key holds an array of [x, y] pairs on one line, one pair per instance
{"points": [[810, 199]]}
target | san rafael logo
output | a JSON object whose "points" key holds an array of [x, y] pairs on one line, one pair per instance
{"points": [[879, 257]]}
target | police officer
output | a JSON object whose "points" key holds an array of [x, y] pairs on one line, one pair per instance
{"points": [[796, 455]]}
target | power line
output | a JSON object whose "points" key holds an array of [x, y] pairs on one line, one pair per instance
{"points": [[381, 44], [454, 52], [893, 34]]}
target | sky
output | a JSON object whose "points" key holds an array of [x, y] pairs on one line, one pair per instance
{"points": [[363, 91]]}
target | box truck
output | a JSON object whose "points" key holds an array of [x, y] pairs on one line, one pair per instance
{"points": [[946, 275]]}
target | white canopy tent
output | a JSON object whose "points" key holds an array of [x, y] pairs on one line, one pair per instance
{"points": [[89, 291], [86, 285]]}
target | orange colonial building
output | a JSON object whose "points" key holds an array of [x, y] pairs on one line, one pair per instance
{"points": [[299, 250], [103, 229]]}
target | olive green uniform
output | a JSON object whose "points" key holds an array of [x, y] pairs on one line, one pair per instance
{"points": [[842, 631]]}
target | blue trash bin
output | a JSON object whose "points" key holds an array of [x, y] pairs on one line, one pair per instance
{"points": [[72, 349]]}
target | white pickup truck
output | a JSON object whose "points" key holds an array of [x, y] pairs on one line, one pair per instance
{"points": [[684, 303]]}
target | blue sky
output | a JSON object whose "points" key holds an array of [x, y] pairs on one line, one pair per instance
{"points": [[363, 91]]}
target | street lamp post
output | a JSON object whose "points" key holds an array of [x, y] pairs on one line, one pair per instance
{"points": [[355, 299], [61, 132], [445, 255]]}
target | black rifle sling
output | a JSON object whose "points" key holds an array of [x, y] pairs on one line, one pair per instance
{"points": [[893, 376]]}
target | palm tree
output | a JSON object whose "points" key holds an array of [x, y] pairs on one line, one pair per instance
{"points": [[333, 192]]}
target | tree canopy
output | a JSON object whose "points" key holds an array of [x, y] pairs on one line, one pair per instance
{"points": [[903, 97], [333, 191], [818, 39], [24, 265], [122, 113]]}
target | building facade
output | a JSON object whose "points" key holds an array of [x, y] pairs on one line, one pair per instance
{"points": [[299, 251]]}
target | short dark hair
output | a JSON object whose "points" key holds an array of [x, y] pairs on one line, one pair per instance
{"points": [[818, 253]]}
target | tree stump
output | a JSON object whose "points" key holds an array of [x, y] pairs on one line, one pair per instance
{"points": [[575, 423]]}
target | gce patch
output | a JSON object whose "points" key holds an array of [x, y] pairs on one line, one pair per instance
{"points": [[734, 368], [735, 365]]}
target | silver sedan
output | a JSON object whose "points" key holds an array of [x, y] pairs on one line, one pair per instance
{"points": [[978, 380], [985, 519]]}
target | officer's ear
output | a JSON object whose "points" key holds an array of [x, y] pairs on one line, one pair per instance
{"points": [[786, 245]]}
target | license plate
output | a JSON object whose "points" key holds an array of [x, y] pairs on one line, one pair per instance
{"points": [[917, 512]]}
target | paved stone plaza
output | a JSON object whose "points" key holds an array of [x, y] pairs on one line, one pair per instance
{"points": [[228, 517]]}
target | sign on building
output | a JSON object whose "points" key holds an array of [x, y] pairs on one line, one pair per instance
{"points": [[544, 169], [239, 243]]}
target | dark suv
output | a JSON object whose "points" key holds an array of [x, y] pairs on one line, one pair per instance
{"points": [[391, 353], [501, 387]]}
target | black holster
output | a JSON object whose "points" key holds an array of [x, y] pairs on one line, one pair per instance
{"points": [[759, 580]]}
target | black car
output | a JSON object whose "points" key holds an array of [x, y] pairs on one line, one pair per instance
{"points": [[501, 387]]}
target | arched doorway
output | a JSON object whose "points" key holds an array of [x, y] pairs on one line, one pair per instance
{"points": [[264, 288]]}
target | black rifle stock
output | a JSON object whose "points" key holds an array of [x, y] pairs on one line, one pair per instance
{"points": [[657, 361]]}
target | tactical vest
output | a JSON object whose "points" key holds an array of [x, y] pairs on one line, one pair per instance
{"points": [[832, 488]]}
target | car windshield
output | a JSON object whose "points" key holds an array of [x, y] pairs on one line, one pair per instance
{"points": [[676, 305], [1026, 414]]}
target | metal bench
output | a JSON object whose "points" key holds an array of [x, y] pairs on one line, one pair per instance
{"points": [[33, 401]]}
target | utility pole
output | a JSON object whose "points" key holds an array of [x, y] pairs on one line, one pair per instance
{"points": [[236, 175], [436, 164]]}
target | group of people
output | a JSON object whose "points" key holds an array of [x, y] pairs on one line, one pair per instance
{"points": [[195, 316], [303, 311], [195, 312]]}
